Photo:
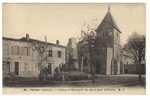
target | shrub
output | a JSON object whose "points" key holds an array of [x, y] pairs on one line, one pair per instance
{"points": [[43, 74], [10, 76], [78, 76]]}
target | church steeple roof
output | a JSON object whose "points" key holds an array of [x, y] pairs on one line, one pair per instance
{"points": [[108, 20]]}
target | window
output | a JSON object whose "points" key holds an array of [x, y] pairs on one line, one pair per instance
{"points": [[26, 51], [12, 51], [6, 66], [6, 49], [49, 68], [15, 50], [50, 53], [109, 32], [117, 37], [59, 54]]}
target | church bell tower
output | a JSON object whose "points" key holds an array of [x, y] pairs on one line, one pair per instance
{"points": [[108, 36]]}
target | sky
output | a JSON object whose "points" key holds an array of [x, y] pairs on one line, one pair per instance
{"points": [[63, 21]]}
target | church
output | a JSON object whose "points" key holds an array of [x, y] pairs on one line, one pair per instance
{"points": [[106, 55]]}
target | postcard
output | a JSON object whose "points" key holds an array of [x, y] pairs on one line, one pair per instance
{"points": [[74, 48]]}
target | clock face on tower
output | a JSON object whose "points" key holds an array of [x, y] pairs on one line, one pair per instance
{"points": [[110, 33]]}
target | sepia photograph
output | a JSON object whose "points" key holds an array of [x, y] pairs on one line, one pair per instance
{"points": [[74, 48]]}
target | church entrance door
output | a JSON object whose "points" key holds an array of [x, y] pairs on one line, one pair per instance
{"points": [[115, 67], [98, 66]]}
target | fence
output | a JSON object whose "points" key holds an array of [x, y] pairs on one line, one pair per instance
{"points": [[134, 69]]}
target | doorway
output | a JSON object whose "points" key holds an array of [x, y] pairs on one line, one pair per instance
{"points": [[115, 67], [98, 66], [16, 68]]}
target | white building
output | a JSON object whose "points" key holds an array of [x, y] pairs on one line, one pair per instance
{"points": [[23, 58]]}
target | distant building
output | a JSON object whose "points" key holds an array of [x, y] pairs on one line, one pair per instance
{"points": [[72, 54], [107, 49], [20, 56]]}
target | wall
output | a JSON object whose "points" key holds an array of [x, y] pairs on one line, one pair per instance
{"points": [[109, 60], [132, 69]]}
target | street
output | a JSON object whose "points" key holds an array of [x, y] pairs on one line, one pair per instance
{"points": [[100, 80]]}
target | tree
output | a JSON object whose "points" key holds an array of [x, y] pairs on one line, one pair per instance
{"points": [[41, 49], [136, 48], [88, 35]]}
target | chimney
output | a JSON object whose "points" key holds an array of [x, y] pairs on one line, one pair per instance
{"points": [[27, 37], [57, 42]]}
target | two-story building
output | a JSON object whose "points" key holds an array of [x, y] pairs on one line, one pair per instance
{"points": [[25, 57]]}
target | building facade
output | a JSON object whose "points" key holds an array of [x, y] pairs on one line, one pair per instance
{"points": [[25, 57], [72, 54], [106, 54]]}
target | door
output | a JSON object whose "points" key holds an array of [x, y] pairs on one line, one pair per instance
{"points": [[17, 68], [49, 68], [115, 67], [98, 66]]}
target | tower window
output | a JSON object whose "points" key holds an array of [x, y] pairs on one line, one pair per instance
{"points": [[110, 32]]}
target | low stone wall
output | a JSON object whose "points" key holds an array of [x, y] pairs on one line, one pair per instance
{"points": [[134, 69]]}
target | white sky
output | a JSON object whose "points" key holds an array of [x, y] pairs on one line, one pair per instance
{"points": [[62, 21]]}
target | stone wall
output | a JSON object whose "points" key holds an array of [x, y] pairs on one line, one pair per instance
{"points": [[133, 69]]}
